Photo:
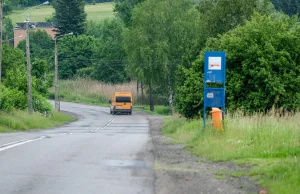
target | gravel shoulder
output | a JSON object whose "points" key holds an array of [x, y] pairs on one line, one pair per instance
{"points": [[177, 171]]}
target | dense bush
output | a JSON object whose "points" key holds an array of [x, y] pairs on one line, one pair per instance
{"points": [[41, 45], [109, 55], [189, 96], [13, 95], [263, 58], [41, 105], [11, 99], [74, 54], [43, 76]]}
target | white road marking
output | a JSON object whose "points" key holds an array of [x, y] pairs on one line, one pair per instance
{"points": [[25, 141], [58, 134], [106, 125], [18, 143]]}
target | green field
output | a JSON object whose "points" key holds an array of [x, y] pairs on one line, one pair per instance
{"points": [[96, 12]]}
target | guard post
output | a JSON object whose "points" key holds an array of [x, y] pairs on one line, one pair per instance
{"points": [[214, 72]]}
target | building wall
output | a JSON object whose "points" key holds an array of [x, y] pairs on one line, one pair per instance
{"points": [[22, 32]]}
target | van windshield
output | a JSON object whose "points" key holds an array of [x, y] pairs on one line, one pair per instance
{"points": [[123, 99]]}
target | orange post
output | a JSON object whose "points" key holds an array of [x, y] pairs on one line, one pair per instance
{"points": [[216, 115]]}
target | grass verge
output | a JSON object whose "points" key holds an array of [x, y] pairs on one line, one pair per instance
{"points": [[22, 121], [269, 145], [158, 110]]}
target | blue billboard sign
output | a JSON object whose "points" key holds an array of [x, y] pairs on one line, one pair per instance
{"points": [[214, 67], [214, 72]]}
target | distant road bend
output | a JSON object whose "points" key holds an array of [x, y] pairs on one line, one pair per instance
{"points": [[98, 154]]}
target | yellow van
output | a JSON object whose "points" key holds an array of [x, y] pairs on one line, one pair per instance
{"points": [[121, 102]]}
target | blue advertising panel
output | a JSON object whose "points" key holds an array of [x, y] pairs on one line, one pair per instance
{"points": [[214, 72], [214, 67], [214, 97]]}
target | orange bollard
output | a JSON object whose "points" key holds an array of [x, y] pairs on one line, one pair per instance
{"points": [[216, 115]]}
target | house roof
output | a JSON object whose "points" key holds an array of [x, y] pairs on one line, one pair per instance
{"points": [[35, 25]]}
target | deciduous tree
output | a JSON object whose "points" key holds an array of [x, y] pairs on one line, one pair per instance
{"points": [[157, 39]]}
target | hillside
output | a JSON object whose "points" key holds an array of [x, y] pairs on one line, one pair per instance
{"points": [[96, 12]]}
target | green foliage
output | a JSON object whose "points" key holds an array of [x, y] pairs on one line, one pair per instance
{"points": [[41, 45], [51, 18], [153, 51], [231, 13], [158, 110], [13, 95], [15, 92], [124, 9], [21, 121], [8, 29], [93, 28], [70, 16], [262, 70], [7, 7], [12, 59], [110, 64], [41, 105], [189, 96], [98, 54], [290, 7], [11, 99], [16, 79], [40, 68], [43, 79], [74, 53]]}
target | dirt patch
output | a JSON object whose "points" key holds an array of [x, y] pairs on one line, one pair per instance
{"points": [[178, 171]]}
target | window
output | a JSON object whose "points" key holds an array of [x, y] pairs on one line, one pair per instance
{"points": [[123, 99]]}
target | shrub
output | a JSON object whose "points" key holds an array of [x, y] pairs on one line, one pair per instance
{"points": [[11, 99], [41, 105], [262, 68]]}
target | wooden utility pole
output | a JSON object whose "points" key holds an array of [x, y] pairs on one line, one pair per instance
{"points": [[29, 97], [56, 76], [57, 101], [1, 30]]}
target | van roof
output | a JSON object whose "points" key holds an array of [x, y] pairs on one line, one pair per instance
{"points": [[123, 93]]}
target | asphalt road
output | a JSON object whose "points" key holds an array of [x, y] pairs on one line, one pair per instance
{"points": [[100, 153]]}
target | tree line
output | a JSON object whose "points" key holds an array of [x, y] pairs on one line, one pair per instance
{"points": [[163, 47]]}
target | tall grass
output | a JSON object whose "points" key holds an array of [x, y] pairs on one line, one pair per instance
{"points": [[89, 91], [270, 142], [94, 92]]}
